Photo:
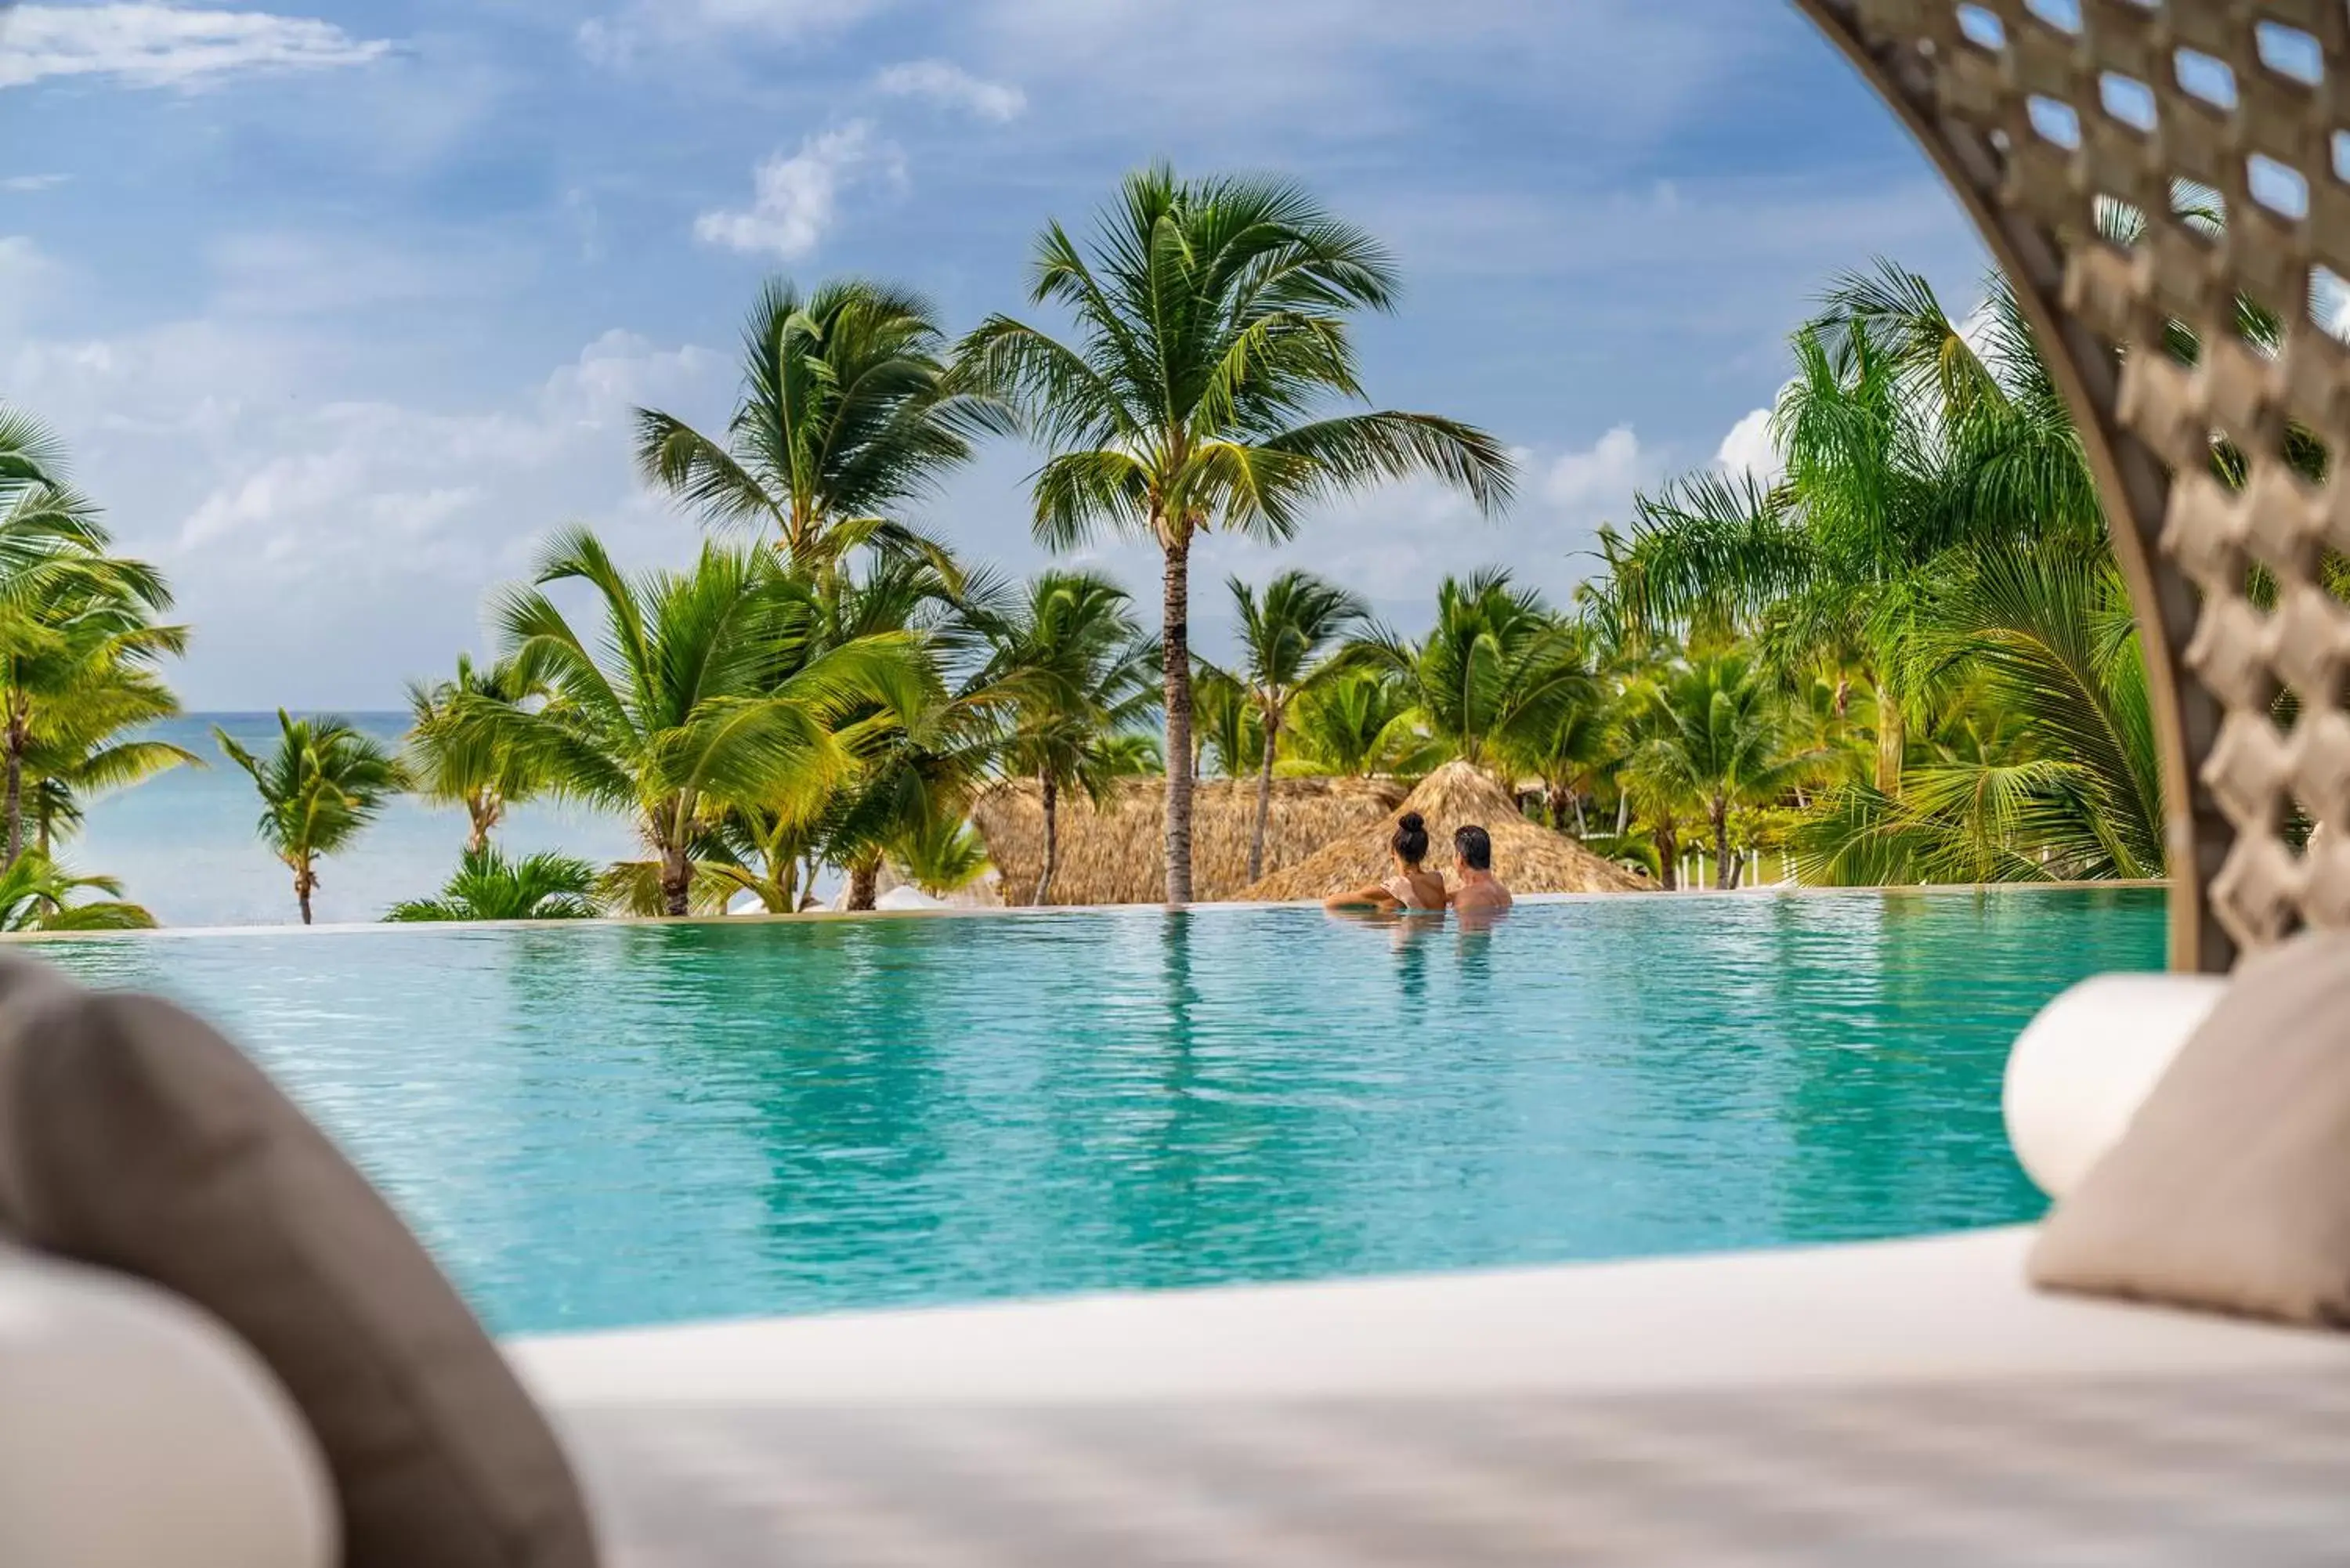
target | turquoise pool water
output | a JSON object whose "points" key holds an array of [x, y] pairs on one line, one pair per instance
{"points": [[629, 1125]]}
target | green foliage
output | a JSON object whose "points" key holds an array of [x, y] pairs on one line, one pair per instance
{"points": [[1498, 672], [942, 857], [453, 761], [39, 894], [1362, 722], [489, 887], [703, 691]]}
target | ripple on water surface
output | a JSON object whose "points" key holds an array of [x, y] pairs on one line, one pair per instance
{"points": [[620, 1125]]}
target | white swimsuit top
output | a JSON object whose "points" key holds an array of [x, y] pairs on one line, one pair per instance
{"points": [[1404, 893]]}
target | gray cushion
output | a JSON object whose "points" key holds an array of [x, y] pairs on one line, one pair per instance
{"points": [[2230, 1191], [134, 1138]]}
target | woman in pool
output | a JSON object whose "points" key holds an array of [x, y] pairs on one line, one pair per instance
{"points": [[1413, 888]]}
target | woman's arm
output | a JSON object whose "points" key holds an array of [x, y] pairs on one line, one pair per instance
{"points": [[1363, 898]]}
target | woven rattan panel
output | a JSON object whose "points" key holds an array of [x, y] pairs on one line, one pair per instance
{"points": [[2141, 167]]}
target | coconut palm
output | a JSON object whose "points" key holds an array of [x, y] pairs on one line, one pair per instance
{"points": [[1498, 669], [697, 695], [86, 744], [458, 764], [1213, 335], [489, 887], [1360, 723], [39, 894], [844, 421], [1710, 737], [321, 786], [2050, 768], [1288, 638], [942, 857], [1077, 669]]}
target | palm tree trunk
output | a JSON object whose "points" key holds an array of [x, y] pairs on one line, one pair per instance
{"points": [[1177, 666], [14, 807], [863, 878], [1582, 824], [676, 881], [481, 810], [1052, 794], [1668, 857], [1264, 800], [1723, 878], [1623, 814], [306, 882], [1892, 742]]}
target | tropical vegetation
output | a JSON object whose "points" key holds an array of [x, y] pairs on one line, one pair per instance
{"points": [[1900, 653]]}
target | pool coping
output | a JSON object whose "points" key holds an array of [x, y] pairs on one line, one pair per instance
{"points": [[1056, 912]]}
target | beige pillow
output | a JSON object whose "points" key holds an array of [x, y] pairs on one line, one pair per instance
{"points": [[2230, 1191], [134, 1138]]}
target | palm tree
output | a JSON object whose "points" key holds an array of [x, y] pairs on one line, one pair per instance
{"points": [[1497, 671], [76, 746], [1360, 723], [1287, 638], [325, 782], [38, 894], [71, 616], [845, 419], [2049, 768], [454, 763], [1213, 329], [489, 887], [1076, 667], [1711, 737], [942, 857], [698, 696]]}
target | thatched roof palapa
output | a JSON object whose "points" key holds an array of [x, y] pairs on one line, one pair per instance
{"points": [[1527, 857], [1119, 856]]}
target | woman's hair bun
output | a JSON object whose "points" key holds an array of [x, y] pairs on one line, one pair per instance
{"points": [[1411, 822]]}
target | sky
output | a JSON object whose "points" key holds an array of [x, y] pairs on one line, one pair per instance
{"points": [[341, 308]]}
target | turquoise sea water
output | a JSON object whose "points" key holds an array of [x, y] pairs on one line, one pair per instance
{"points": [[182, 843], [616, 1125]]}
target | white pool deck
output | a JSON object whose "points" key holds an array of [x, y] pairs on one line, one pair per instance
{"points": [[1944, 1309], [1910, 1402]]}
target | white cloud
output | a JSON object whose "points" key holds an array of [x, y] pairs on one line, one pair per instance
{"points": [[25, 184], [620, 38], [145, 44], [943, 82], [1748, 450], [795, 199], [1587, 485]]}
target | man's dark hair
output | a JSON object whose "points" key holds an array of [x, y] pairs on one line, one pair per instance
{"points": [[1474, 846]]}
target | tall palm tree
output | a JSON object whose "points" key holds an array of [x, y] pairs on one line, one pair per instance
{"points": [[1499, 668], [462, 763], [1214, 333], [1288, 638], [39, 894], [845, 419], [697, 696], [1711, 737], [1077, 669], [321, 786], [489, 887]]}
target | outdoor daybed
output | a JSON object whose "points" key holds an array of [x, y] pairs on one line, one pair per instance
{"points": [[1913, 1402]]}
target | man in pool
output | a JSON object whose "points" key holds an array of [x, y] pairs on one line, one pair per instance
{"points": [[1477, 891]]}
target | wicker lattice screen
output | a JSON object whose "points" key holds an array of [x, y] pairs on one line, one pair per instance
{"points": [[2143, 169]]}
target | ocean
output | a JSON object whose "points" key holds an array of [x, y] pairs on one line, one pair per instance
{"points": [[183, 844]]}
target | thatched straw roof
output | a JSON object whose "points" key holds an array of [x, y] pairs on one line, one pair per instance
{"points": [[1119, 856], [1528, 859]]}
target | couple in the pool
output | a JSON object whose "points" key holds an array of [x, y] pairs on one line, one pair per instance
{"points": [[1415, 889]]}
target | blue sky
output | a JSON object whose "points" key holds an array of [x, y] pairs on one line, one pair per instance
{"points": [[342, 305]]}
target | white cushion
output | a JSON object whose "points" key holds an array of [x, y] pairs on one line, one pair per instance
{"points": [[2079, 1071], [136, 1432]]}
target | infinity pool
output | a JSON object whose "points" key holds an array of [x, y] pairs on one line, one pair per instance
{"points": [[617, 1125]]}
